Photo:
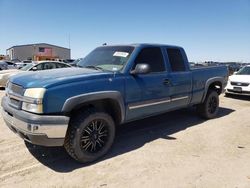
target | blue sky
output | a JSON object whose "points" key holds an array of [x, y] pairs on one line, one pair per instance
{"points": [[217, 30]]}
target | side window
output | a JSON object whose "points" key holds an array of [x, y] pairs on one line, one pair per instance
{"points": [[9, 63], [176, 60], [39, 66], [60, 65], [49, 65], [153, 57]]}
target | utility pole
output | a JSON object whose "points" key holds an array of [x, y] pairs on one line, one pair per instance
{"points": [[69, 47], [69, 40]]}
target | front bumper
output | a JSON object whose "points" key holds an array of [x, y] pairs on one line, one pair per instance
{"points": [[37, 129], [232, 89]]}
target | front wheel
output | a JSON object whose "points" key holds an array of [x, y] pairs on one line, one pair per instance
{"points": [[90, 136], [210, 107]]}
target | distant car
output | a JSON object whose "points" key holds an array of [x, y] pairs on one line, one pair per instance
{"points": [[232, 67], [3, 65], [7, 65], [15, 60], [74, 63], [68, 60], [11, 65], [43, 65], [23, 63], [195, 65], [239, 83]]}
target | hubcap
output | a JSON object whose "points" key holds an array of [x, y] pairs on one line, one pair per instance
{"points": [[95, 136], [212, 105]]}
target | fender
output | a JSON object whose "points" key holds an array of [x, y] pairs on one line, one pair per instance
{"points": [[209, 82], [71, 102]]}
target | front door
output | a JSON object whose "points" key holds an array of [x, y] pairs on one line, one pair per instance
{"points": [[148, 94]]}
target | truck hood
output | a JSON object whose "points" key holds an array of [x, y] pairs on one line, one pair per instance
{"points": [[240, 78], [54, 77]]}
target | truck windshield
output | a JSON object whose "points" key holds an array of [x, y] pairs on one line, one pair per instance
{"points": [[107, 58], [244, 71], [26, 67]]}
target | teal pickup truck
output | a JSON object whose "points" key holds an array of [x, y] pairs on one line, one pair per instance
{"points": [[79, 108]]}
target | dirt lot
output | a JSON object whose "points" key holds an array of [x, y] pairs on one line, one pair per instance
{"points": [[177, 149]]}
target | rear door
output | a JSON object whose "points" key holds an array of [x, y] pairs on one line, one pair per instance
{"points": [[147, 94], [180, 77]]}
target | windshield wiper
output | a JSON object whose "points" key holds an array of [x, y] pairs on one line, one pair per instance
{"points": [[93, 67]]}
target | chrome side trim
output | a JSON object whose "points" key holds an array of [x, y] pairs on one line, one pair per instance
{"points": [[148, 104], [155, 103], [179, 98]]}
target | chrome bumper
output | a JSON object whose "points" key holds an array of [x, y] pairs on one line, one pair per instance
{"points": [[51, 131], [37, 129]]}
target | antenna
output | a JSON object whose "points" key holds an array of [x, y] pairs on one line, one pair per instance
{"points": [[69, 40]]}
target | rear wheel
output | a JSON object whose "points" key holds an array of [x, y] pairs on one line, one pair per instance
{"points": [[210, 107], [90, 136]]}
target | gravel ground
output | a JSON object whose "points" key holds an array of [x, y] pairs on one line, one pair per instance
{"points": [[176, 149]]}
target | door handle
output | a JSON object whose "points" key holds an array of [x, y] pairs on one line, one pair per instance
{"points": [[166, 82]]}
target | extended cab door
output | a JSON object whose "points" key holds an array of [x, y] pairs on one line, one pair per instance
{"points": [[180, 77], [147, 94]]}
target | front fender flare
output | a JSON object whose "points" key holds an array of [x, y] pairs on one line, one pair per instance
{"points": [[72, 102]]}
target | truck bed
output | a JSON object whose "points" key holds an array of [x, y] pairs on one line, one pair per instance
{"points": [[200, 76]]}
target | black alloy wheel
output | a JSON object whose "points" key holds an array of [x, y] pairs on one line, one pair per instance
{"points": [[90, 135], [210, 107], [95, 136], [212, 104]]}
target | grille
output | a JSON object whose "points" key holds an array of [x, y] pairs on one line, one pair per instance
{"points": [[14, 102], [239, 84], [16, 90]]}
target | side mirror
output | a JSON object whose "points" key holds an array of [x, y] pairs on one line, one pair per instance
{"points": [[141, 69], [34, 69], [235, 72]]}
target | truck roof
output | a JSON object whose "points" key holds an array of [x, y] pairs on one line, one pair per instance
{"points": [[147, 44]]}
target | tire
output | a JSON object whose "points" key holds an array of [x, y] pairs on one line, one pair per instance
{"points": [[227, 94], [210, 107], [90, 135]]}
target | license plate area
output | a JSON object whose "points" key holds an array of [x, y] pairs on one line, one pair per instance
{"points": [[237, 89]]}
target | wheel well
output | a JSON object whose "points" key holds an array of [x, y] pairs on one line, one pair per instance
{"points": [[217, 86], [109, 106]]}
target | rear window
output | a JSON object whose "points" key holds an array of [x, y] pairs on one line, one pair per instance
{"points": [[60, 65], [176, 60]]}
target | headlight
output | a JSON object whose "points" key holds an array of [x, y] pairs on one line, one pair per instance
{"points": [[33, 100]]}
